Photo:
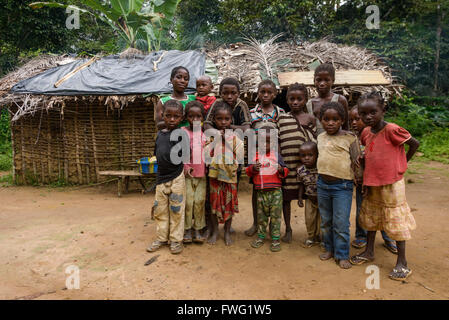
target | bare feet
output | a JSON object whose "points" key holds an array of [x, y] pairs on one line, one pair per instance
{"points": [[213, 237], [251, 231], [227, 238], [326, 256], [344, 264], [287, 238]]}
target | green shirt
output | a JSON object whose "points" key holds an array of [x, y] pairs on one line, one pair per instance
{"points": [[190, 97]]}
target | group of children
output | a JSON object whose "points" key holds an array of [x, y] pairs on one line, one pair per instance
{"points": [[319, 152]]}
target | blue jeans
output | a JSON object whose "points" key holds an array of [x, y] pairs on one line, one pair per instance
{"points": [[334, 203], [360, 233]]}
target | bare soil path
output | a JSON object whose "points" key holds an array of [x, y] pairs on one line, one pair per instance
{"points": [[44, 230]]}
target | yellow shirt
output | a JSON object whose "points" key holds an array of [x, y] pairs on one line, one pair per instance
{"points": [[335, 153]]}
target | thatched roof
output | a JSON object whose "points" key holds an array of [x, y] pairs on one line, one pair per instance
{"points": [[233, 60], [237, 61]]}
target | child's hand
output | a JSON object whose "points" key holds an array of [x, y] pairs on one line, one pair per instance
{"points": [[189, 172], [364, 191], [300, 203], [280, 169], [257, 166]]}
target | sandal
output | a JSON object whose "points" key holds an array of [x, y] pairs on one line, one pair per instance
{"points": [[156, 245], [257, 243], [309, 243], [358, 260], [359, 243], [275, 246], [176, 247], [400, 274], [391, 246]]}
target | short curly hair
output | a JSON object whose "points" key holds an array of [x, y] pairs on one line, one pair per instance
{"points": [[373, 95], [195, 104], [325, 67], [337, 106], [229, 81], [173, 104], [298, 87]]}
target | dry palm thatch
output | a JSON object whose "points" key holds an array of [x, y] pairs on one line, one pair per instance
{"points": [[266, 53], [238, 61]]}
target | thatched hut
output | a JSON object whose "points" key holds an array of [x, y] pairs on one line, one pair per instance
{"points": [[70, 133]]}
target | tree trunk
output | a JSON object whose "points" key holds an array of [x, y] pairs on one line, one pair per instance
{"points": [[437, 51]]}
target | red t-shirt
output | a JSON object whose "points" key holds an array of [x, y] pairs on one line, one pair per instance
{"points": [[385, 159], [207, 101]]}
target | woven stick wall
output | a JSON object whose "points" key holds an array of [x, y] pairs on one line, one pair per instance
{"points": [[86, 138]]}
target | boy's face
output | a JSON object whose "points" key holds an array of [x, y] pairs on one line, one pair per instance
{"points": [[222, 119], [230, 94], [370, 112], [194, 114], [355, 121], [323, 82], [172, 117], [296, 100], [204, 86], [181, 80], [266, 94], [331, 121], [308, 156]]}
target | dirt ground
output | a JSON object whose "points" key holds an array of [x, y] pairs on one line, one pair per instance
{"points": [[44, 230]]}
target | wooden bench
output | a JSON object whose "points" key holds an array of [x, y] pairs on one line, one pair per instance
{"points": [[124, 176]]}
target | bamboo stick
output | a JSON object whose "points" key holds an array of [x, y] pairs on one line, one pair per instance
{"points": [[78, 165], [70, 74], [94, 144]]}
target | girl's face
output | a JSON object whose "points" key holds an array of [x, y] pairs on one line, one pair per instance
{"points": [[331, 121], [266, 94], [355, 121], [194, 114], [223, 119], [172, 117], [371, 112], [296, 100], [323, 82], [230, 94], [180, 81]]}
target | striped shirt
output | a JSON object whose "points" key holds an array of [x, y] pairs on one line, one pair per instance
{"points": [[259, 118], [291, 137]]}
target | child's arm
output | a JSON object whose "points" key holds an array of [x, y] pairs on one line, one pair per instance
{"points": [[413, 146], [160, 124], [300, 195]]}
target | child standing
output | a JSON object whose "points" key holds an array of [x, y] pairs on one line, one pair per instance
{"points": [[179, 78], [324, 78], [357, 127], [338, 151], [195, 173], [229, 92], [295, 128], [223, 173], [264, 113], [169, 202], [384, 206], [267, 172], [204, 88], [307, 176]]}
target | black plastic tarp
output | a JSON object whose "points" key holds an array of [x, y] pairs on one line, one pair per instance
{"points": [[114, 76]]}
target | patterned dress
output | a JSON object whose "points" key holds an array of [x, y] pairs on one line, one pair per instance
{"points": [[291, 136]]}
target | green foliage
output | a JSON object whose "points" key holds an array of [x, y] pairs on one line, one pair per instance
{"points": [[5, 142], [435, 145], [427, 119], [141, 24]]}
